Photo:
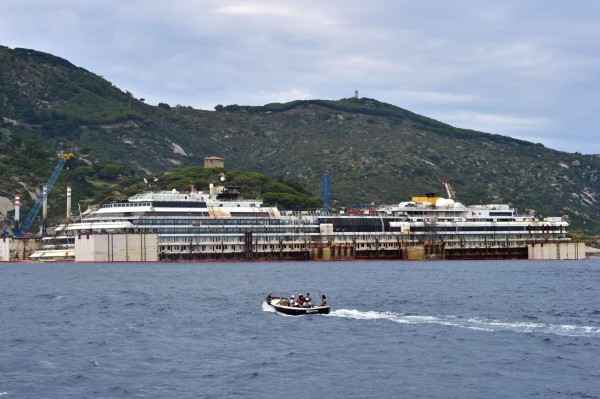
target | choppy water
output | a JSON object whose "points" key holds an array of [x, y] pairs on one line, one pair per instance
{"points": [[501, 329]]}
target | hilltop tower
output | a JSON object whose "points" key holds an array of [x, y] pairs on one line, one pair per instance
{"points": [[214, 162]]}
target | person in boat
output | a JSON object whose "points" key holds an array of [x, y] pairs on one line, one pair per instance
{"points": [[308, 297], [300, 300], [307, 303], [323, 300], [292, 301]]}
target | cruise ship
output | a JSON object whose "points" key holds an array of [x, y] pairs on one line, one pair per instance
{"points": [[221, 225]]}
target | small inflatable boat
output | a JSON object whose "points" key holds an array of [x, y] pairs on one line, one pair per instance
{"points": [[282, 306]]}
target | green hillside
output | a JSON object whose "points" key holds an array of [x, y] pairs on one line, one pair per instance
{"points": [[375, 152]]}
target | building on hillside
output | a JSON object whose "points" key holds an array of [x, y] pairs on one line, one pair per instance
{"points": [[214, 162]]}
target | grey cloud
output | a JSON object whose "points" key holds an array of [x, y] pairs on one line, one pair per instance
{"points": [[525, 69]]}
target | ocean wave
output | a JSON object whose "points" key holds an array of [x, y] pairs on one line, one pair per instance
{"points": [[472, 323], [46, 364], [49, 296]]}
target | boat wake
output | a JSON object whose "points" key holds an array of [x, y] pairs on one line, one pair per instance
{"points": [[472, 323], [267, 308]]}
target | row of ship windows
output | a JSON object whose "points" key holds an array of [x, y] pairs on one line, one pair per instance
{"points": [[180, 248], [482, 229], [217, 222], [236, 239], [183, 214], [389, 239], [347, 226], [164, 204], [221, 231], [121, 215], [259, 247], [490, 237], [275, 247]]}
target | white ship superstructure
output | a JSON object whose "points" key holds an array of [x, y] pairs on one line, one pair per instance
{"points": [[220, 225], [473, 226], [197, 225]]}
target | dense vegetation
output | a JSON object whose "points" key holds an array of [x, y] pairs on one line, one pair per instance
{"points": [[281, 193], [375, 152]]}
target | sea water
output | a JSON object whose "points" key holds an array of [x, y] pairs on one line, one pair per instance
{"points": [[447, 329]]}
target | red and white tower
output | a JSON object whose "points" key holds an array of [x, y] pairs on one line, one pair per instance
{"points": [[17, 210], [68, 201]]}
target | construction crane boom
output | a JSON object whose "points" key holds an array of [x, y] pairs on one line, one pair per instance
{"points": [[449, 190], [33, 213]]}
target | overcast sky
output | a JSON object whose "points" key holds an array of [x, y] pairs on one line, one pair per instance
{"points": [[526, 69]]}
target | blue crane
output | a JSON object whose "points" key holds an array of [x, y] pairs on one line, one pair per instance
{"points": [[33, 213]]}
